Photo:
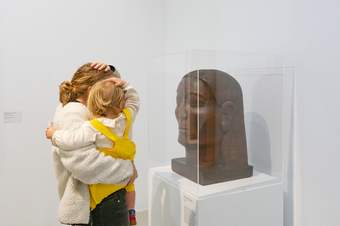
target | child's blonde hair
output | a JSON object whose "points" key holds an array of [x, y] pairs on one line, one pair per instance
{"points": [[104, 98]]}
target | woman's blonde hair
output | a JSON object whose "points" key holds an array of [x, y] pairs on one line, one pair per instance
{"points": [[105, 98], [83, 78]]}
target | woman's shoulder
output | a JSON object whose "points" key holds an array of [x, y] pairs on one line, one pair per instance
{"points": [[74, 106], [72, 111]]}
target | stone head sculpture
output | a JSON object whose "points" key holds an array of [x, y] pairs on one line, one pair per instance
{"points": [[210, 119]]}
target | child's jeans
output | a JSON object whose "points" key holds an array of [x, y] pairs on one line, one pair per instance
{"points": [[112, 211]]}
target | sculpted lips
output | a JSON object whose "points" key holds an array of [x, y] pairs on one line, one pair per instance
{"points": [[182, 127], [182, 130]]}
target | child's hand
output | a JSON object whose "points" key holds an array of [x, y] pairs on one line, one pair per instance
{"points": [[134, 175], [49, 132], [100, 66], [117, 81]]}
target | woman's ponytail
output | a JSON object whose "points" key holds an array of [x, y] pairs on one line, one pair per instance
{"points": [[66, 92]]}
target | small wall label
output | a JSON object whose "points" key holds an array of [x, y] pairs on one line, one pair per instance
{"points": [[12, 117]]}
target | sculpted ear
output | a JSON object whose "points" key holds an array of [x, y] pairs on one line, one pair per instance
{"points": [[228, 109]]}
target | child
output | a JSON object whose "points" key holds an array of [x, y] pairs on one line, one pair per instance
{"points": [[113, 109]]}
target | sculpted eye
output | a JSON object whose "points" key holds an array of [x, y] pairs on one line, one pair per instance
{"points": [[202, 103], [193, 101]]}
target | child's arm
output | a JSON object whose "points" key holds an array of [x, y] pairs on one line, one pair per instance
{"points": [[74, 138], [131, 100]]}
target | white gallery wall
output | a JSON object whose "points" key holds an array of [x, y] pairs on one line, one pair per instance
{"points": [[306, 34], [42, 43]]}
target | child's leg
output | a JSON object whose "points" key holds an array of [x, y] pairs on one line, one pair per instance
{"points": [[130, 202], [130, 199]]}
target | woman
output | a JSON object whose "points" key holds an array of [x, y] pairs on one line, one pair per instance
{"points": [[76, 169]]}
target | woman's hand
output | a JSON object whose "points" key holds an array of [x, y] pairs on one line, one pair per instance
{"points": [[49, 132], [117, 81], [100, 66]]}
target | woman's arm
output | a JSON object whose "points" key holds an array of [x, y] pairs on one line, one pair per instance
{"points": [[74, 138], [91, 167], [131, 100]]}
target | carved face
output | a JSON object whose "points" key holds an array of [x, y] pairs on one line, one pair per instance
{"points": [[209, 113], [197, 114]]}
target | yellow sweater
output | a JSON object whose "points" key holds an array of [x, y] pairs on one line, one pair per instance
{"points": [[122, 148]]}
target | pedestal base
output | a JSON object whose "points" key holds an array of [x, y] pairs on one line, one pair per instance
{"points": [[208, 175], [176, 201]]}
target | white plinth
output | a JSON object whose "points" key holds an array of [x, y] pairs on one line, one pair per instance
{"points": [[176, 201]]}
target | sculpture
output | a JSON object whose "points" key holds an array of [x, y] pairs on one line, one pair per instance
{"points": [[210, 118]]}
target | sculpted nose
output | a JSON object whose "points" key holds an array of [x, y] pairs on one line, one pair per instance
{"points": [[181, 112]]}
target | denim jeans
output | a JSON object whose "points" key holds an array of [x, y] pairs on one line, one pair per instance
{"points": [[112, 211]]}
